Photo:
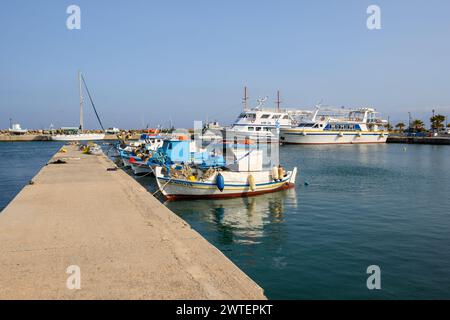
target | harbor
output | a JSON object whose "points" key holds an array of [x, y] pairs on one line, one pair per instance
{"points": [[150, 198], [328, 228], [127, 244], [214, 159]]}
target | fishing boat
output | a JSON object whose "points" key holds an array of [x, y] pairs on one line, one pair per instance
{"points": [[338, 126], [16, 129], [145, 142], [78, 134], [173, 150], [135, 154], [244, 177]]}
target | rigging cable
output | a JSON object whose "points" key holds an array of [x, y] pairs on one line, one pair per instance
{"points": [[92, 103]]}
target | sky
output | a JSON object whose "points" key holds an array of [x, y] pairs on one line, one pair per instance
{"points": [[156, 62]]}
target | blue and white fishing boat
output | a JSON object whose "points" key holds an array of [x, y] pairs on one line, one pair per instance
{"points": [[244, 177], [174, 150], [133, 153]]}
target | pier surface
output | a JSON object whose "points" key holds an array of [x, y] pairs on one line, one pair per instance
{"points": [[126, 243], [441, 140]]}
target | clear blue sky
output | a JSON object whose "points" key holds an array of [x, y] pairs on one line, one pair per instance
{"points": [[149, 61]]}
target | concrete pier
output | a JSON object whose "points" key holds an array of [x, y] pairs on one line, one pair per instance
{"points": [[419, 140], [125, 242]]}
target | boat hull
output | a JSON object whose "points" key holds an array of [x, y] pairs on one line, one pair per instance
{"points": [[140, 168], [298, 137], [225, 195], [79, 137]]}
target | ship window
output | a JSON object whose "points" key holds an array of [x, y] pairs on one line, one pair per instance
{"points": [[276, 116], [265, 116], [286, 117], [251, 129], [321, 125], [258, 128], [170, 146]]}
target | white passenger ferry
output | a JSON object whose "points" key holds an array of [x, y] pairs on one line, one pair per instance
{"points": [[261, 121], [337, 126]]}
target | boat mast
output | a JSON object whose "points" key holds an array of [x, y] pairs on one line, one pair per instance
{"points": [[81, 102], [245, 98], [278, 102]]}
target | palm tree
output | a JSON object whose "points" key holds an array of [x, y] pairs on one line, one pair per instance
{"points": [[418, 125], [388, 126], [400, 126], [437, 121]]}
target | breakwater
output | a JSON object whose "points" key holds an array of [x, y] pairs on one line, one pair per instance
{"points": [[81, 229]]}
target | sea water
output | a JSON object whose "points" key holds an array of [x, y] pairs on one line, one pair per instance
{"points": [[354, 206]]}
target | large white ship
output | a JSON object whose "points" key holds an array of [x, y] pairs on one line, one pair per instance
{"points": [[262, 121], [337, 126]]}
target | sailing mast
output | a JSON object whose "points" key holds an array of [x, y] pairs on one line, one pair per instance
{"points": [[81, 102], [278, 102], [245, 98]]}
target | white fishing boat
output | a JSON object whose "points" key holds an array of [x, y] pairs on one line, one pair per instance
{"points": [[113, 130], [245, 177], [78, 134], [337, 126], [16, 129]]}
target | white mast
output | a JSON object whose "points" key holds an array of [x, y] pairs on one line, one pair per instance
{"points": [[81, 102], [245, 98]]}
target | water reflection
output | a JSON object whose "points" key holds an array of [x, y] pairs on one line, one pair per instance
{"points": [[240, 220]]}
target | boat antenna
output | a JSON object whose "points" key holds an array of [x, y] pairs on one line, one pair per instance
{"points": [[10, 123], [260, 102], [278, 102], [92, 102], [245, 98]]}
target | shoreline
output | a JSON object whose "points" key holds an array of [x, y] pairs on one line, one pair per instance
{"points": [[111, 137], [47, 137]]}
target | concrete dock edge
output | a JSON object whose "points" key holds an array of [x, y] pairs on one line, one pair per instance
{"points": [[126, 244]]}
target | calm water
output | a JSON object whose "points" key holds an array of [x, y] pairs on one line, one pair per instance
{"points": [[20, 162], [364, 205]]}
